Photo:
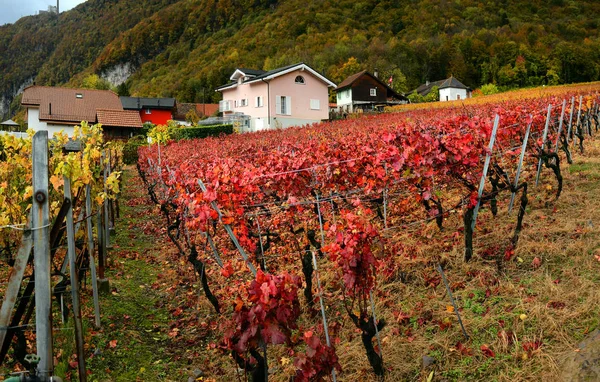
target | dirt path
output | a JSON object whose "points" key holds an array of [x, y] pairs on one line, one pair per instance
{"points": [[134, 343]]}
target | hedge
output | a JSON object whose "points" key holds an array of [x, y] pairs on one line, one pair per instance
{"points": [[130, 150], [199, 132]]}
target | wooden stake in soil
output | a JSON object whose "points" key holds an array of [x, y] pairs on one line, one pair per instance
{"points": [[325, 328], [40, 216], [486, 165], [90, 244], [539, 168], [439, 268], [14, 283], [521, 157], [569, 131], [560, 124], [230, 231], [320, 221], [75, 285]]}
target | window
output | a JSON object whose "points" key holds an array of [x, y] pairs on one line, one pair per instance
{"points": [[458, 96], [299, 80], [315, 104], [373, 92], [258, 102], [283, 105], [244, 102], [224, 105], [148, 111], [79, 95]]}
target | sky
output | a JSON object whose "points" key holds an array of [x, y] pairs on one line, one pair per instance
{"points": [[12, 10]]}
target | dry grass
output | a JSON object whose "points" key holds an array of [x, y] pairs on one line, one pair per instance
{"points": [[559, 300], [555, 304]]}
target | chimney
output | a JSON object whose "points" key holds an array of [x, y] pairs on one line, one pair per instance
{"points": [[376, 73]]}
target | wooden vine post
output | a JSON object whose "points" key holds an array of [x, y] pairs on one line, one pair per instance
{"points": [[230, 232], [40, 217], [90, 244], [545, 136], [74, 284], [519, 166], [486, 166]]}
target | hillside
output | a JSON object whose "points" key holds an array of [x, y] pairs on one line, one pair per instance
{"points": [[181, 47]]}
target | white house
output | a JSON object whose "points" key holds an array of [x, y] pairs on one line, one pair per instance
{"points": [[449, 89], [294, 95]]}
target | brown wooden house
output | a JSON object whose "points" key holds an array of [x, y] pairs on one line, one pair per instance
{"points": [[365, 91]]}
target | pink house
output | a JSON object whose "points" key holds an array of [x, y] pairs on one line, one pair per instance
{"points": [[294, 95]]}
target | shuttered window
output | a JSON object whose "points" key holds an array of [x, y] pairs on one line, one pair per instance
{"points": [[283, 105], [315, 104]]}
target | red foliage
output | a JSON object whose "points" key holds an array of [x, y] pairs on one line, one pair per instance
{"points": [[351, 250], [266, 314], [318, 361]]}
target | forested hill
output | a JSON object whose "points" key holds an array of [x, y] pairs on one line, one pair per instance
{"points": [[184, 48]]}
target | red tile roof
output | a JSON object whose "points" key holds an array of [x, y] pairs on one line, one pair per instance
{"points": [[119, 118], [69, 105]]}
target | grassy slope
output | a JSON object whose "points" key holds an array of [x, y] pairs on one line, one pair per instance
{"points": [[135, 313]]}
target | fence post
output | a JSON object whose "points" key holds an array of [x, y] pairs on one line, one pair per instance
{"points": [[106, 233], [578, 118], [40, 218], [71, 250], [560, 124], [539, 167], [521, 157], [90, 244], [14, 282], [230, 232], [486, 165], [325, 328], [570, 131]]}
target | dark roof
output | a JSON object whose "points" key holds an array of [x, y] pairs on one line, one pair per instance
{"points": [[271, 72], [426, 88], [252, 72], [267, 74], [69, 105], [10, 122], [451, 82], [350, 80], [140, 103], [226, 85]]}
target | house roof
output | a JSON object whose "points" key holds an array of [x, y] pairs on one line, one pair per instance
{"points": [[353, 78], [140, 103], [119, 118], [350, 80], [451, 82], [69, 105], [276, 73], [10, 122]]}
